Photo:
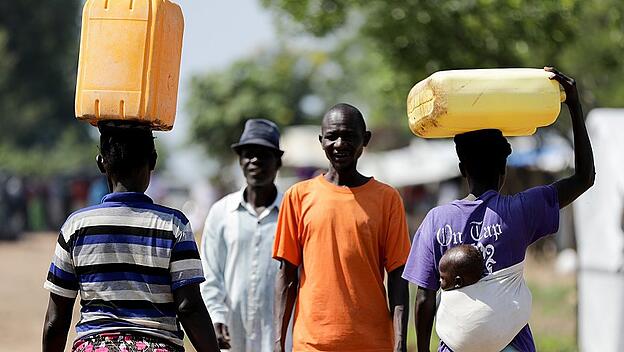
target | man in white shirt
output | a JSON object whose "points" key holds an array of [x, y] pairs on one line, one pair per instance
{"points": [[237, 243]]}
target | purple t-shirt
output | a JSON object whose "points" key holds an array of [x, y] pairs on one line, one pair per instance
{"points": [[501, 226]]}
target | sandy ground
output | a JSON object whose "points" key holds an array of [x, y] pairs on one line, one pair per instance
{"points": [[23, 300]]}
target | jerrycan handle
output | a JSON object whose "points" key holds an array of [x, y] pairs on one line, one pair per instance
{"points": [[562, 93]]}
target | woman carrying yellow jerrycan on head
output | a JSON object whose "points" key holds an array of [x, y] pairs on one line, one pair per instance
{"points": [[487, 316]]}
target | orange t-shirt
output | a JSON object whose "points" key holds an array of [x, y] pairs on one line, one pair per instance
{"points": [[343, 238]]}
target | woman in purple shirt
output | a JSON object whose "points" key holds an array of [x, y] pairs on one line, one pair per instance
{"points": [[501, 226]]}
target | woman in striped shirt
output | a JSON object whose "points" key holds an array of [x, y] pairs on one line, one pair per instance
{"points": [[134, 263]]}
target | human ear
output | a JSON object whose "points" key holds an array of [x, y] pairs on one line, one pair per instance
{"points": [[458, 281], [99, 160], [503, 169], [152, 160], [462, 170], [367, 137]]}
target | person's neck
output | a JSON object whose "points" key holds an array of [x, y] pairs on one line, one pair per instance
{"points": [[138, 186], [347, 178], [479, 188], [260, 196]]}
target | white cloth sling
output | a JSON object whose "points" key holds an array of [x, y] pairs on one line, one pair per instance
{"points": [[485, 316]]}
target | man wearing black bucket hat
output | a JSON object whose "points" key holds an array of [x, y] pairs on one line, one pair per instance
{"points": [[237, 243]]}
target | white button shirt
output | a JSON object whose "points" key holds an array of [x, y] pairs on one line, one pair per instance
{"points": [[239, 290]]}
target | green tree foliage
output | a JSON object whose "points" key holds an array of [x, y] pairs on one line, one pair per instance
{"points": [[408, 40], [375, 51], [278, 85], [595, 56], [422, 36], [38, 58]]}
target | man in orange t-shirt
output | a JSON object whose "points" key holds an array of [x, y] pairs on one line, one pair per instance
{"points": [[336, 234]]}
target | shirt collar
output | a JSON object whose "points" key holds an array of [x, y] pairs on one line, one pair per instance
{"points": [[238, 200], [127, 197], [483, 197]]}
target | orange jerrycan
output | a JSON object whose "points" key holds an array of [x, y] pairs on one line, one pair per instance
{"points": [[513, 100], [129, 63]]}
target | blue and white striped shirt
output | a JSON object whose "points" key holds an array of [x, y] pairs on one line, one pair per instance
{"points": [[126, 256]]}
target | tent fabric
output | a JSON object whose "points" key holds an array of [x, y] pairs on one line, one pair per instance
{"points": [[598, 212], [598, 216], [423, 160]]}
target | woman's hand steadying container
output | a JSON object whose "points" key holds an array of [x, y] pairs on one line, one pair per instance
{"points": [[568, 84], [570, 188]]}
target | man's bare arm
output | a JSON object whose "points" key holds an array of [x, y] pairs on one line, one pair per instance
{"points": [[424, 312], [398, 295], [570, 188], [57, 323], [286, 288], [195, 319]]}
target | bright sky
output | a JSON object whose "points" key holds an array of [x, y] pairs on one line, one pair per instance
{"points": [[215, 34]]}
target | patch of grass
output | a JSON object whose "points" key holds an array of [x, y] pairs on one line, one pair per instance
{"points": [[555, 343]]}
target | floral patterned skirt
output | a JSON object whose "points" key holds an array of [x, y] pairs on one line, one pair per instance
{"points": [[123, 342]]}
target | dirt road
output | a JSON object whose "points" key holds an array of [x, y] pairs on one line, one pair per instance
{"points": [[23, 300]]}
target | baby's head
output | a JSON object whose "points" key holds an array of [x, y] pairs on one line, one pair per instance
{"points": [[460, 266]]}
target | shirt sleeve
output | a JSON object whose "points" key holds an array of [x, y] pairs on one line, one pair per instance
{"points": [[213, 252], [397, 245], [540, 207], [287, 245], [185, 266], [62, 279], [421, 268]]}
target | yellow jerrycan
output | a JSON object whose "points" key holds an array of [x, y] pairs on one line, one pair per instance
{"points": [[513, 100], [129, 64]]}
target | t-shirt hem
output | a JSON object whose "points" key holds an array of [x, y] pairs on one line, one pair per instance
{"points": [[286, 258], [217, 318], [61, 292], [173, 340], [394, 267], [178, 284], [555, 215], [343, 350], [418, 282]]}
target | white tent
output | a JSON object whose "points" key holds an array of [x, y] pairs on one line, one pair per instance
{"points": [[423, 161], [600, 238]]}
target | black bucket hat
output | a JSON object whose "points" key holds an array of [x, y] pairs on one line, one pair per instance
{"points": [[260, 132]]}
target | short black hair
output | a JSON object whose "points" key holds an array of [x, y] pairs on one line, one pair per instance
{"points": [[348, 110], [467, 261], [125, 149], [483, 153]]}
